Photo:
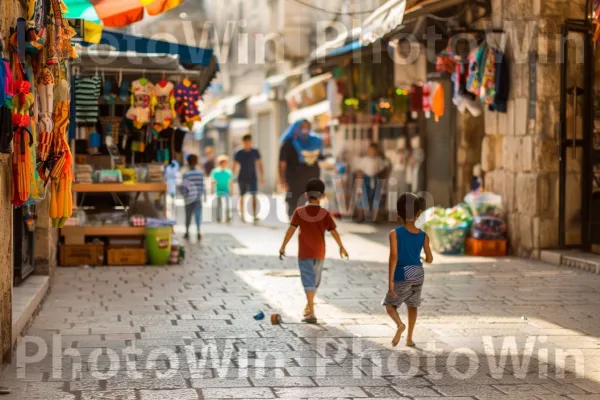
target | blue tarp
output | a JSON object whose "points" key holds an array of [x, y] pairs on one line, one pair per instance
{"points": [[187, 54], [347, 48]]}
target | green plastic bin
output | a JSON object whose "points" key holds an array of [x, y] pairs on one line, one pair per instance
{"points": [[158, 245]]}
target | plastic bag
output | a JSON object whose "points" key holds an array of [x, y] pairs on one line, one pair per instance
{"points": [[488, 228], [485, 204]]}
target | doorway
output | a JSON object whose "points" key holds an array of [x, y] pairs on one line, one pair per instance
{"points": [[579, 142]]}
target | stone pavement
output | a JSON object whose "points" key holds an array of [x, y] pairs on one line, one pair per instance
{"points": [[489, 329]]}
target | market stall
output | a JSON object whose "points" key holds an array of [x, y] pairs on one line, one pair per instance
{"points": [[129, 124]]}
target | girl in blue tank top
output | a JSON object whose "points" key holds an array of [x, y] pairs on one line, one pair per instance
{"points": [[406, 273]]}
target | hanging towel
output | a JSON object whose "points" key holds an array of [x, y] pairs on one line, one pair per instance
{"points": [[416, 100], [427, 100], [502, 82], [437, 105], [488, 83]]}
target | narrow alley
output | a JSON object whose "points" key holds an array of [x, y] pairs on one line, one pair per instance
{"points": [[488, 329]]}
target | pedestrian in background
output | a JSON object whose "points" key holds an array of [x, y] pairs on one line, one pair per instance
{"points": [[193, 193], [209, 160], [299, 155], [248, 168], [313, 221], [222, 178], [406, 275]]}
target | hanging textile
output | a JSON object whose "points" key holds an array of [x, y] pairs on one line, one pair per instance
{"points": [[186, 97], [438, 102], [140, 111], [164, 104]]}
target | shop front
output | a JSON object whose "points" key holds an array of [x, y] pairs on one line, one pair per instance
{"points": [[130, 129], [579, 139]]}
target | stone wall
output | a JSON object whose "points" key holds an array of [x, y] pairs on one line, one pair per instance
{"points": [[46, 241], [519, 151], [470, 132], [6, 258]]}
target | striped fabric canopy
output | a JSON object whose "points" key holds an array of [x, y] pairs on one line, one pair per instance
{"points": [[116, 13]]}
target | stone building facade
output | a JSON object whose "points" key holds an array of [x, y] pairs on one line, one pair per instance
{"points": [[46, 237], [519, 152]]}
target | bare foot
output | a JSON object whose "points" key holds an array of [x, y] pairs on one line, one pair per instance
{"points": [[398, 334], [410, 343]]}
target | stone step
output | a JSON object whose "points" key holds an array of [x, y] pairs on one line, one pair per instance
{"points": [[573, 259]]}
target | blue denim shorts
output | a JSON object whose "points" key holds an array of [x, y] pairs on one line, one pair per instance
{"points": [[310, 273]]}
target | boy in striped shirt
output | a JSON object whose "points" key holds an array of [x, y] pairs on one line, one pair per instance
{"points": [[193, 193]]}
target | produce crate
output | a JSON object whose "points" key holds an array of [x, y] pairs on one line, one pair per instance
{"points": [[81, 254], [130, 256], [485, 248], [449, 241]]}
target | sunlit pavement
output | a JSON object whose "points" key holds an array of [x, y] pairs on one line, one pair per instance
{"points": [[188, 332]]}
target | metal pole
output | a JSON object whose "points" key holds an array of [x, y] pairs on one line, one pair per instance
{"points": [[561, 136]]}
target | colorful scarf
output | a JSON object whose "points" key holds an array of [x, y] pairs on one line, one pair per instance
{"points": [[307, 147]]}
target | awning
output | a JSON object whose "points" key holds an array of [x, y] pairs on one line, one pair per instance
{"points": [[327, 48], [124, 63], [395, 13], [116, 13], [307, 85], [239, 126], [383, 20], [310, 112], [224, 108], [187, 54]]}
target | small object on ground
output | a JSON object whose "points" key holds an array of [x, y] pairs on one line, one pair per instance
{"points": [[311, 319], [4, 390], [276, 319], [523, 318], [260, 316]]}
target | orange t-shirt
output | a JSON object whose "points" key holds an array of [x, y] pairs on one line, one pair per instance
{"points": [[313, 221]]}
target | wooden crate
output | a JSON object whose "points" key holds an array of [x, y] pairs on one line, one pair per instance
{"points": [[130, 256], [81, 254], [485, 248]]}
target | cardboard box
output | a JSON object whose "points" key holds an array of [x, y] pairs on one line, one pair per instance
{"points": [[126, 256], [125, 242], [74, 235], [81, 254]]}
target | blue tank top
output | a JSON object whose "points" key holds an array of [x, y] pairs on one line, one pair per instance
{"points": [[409, 251]]}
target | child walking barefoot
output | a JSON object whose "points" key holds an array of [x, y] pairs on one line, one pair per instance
{"points": [[406, 273]]}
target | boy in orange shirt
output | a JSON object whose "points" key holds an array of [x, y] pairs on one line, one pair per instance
{"points": [[313, 221]]}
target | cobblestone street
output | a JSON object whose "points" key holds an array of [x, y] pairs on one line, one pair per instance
{"points": [[488, 329]]}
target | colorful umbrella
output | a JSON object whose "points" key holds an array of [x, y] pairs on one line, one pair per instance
{"points": [[116, 13]]}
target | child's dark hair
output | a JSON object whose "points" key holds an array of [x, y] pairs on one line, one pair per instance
{"points": [[315, 189], [192, 160], [409, 205], [246, 137]]}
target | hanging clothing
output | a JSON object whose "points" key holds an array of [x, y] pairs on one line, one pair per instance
{"points": [[502, 82], [171, 171], [140, 112], [476, 63], [87, 92], [438, 102], [416, 100], [186, 96], [164, 108], [427, 100], [488, 82]]}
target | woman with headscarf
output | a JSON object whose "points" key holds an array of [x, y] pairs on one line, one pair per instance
{"points": [[299, 155]]}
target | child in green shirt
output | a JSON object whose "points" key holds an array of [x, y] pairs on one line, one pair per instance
{"points": [[222, 178]]}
